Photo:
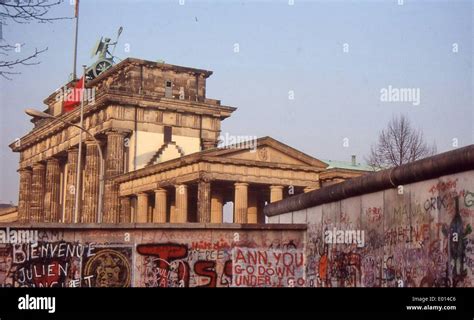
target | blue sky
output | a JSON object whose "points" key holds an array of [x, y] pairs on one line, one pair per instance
{"points": [[282, 48]]}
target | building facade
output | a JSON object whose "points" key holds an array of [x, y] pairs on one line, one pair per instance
{"points": [[158, 133]]}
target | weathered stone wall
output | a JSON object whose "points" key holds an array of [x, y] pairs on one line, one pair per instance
{"points": [[147, 256], [150, 78], [132, 96], [413, 236]]}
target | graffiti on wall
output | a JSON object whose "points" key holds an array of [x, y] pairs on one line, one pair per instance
{"points": [[109, 267], [268, 268], [214, 265], [64, 264], [177, 265], [421, 239], [163, 258]]}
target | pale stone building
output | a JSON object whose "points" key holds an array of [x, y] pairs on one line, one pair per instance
{"points": [[159, 134]]}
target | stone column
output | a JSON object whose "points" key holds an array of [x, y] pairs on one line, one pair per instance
{"points": [[125, 210], [52, 192], [276, 193], [241, 202], [260, 206], [159, 214], [181, 203], [25, 195], [71, 180], [91, 184], [252, 209], [216, 207], [142, 208], [113, 166], [37, 193], [173, 218], [204, 201]]}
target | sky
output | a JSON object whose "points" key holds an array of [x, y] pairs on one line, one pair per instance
{"points": [[307, 73]]}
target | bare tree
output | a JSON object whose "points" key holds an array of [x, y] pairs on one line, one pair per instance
{"points": [[22, 11], [398, 144]]}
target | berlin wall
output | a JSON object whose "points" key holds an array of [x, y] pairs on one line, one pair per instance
{"points": [[410, 236], [148, 256], [409, 226]]}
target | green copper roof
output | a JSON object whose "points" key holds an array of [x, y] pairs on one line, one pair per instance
{"points": [[347, 165]]}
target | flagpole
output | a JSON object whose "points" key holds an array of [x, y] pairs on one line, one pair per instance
{"points": [[78, 190], [76, 13]]}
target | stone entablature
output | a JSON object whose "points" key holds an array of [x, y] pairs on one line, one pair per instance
{"points": [[114, 111], [191, 168]]}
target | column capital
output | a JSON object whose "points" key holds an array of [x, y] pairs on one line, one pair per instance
{"points": [[117, 131], [38, 165], [205, 177], [277, 187], [276, 193], [125, 199], [52, 159], [25, 169], [241, 184], [73, 149], [90, 141], [159, 190]]}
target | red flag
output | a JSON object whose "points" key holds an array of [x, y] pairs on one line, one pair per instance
{"points": [[76, 9], [73, 96]]}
